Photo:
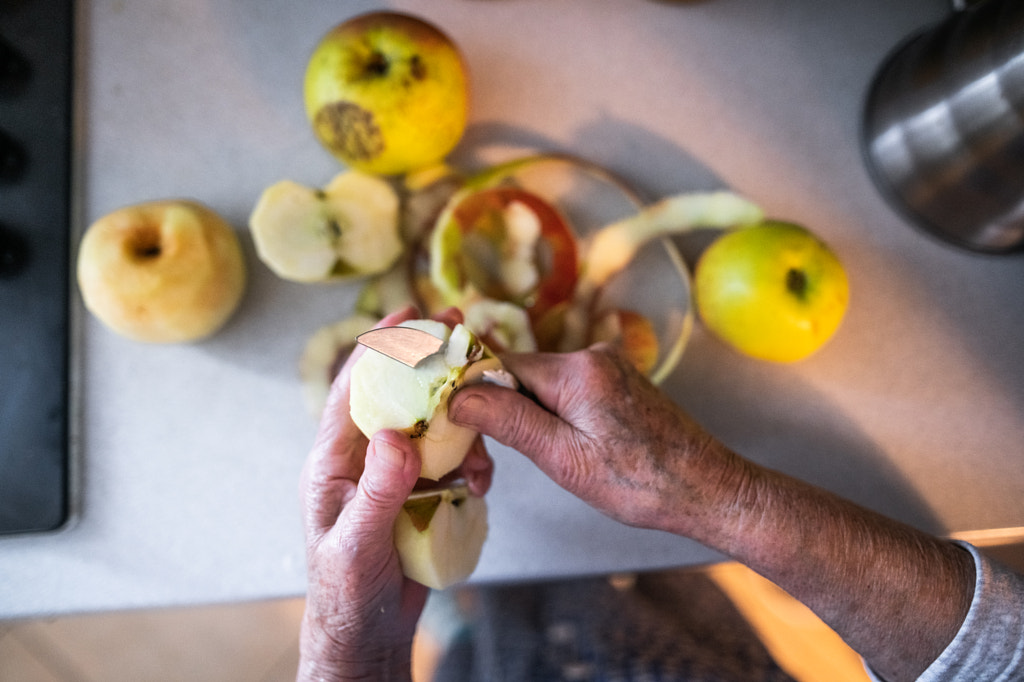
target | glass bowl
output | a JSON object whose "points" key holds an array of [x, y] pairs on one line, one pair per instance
{"points": [[656, 283]]}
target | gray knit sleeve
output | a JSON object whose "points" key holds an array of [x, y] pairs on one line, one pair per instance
{"points": [[990, 644]]}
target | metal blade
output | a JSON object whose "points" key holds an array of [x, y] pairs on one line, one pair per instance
{"points": [[408, 346]]}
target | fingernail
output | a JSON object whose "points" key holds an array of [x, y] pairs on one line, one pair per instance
{"points": [[388, 454]]}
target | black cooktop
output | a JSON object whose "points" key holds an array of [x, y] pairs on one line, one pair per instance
{"points": [[35, 237]]}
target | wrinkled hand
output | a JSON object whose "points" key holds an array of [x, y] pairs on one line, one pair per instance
{"points": [[604, 433], [361, 611]]}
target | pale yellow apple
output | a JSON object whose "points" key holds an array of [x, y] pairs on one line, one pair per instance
{"points": [[773, 291], [439, 536], [387, 93], [161, 272]]}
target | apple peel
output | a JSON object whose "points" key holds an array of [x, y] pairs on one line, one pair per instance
{"points": [[615, 245], [323, 355]]}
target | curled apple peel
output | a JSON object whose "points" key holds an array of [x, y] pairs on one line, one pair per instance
{"points": [[385, 394], [614, 246]]}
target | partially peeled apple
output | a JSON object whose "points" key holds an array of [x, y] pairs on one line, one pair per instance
{"points": [[439, 535], [440, 531], [385, 394]]}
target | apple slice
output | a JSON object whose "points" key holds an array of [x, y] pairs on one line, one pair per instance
{"points": [[439, 536], [502, 326], [389, 395], [348, 229], [324, 354]]}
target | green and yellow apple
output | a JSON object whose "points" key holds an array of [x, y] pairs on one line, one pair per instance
{"points": [[350, 228], [385, 394], [387, 93], [161, 272], [439, 535], [773, 291]]}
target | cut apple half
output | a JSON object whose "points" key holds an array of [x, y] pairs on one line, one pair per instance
{"points": [[348, 229], [385, 394], [440, 534]]}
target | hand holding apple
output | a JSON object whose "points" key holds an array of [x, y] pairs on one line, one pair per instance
{"points": [[161, 272], [772, 291], [387, 93], [361, 613]]}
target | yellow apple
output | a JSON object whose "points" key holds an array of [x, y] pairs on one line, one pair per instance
{"points": [[387, 93], [161, 272], [385, 394], [773, 291], [439, 536]]}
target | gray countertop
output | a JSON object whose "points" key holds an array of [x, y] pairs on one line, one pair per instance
{"points": [[188, 456]]}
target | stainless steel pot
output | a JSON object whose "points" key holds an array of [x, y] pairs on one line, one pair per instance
{"points": [[943, 127]]}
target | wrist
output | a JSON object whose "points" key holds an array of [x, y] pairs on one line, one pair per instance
{"points": [[719, 489], [323, 658]]}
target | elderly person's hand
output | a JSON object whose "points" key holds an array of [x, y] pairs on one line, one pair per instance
{"points": [[361, 612], [603, 432], [606, 434]]}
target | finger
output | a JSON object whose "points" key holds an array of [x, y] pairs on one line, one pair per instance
{"points": [[511, 419], [392, 468], [339, 443], [450, 316], [478, 469], [335, 462]]}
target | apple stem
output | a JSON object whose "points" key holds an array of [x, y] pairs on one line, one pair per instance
{"points": [[796, 282], [378, 64]]}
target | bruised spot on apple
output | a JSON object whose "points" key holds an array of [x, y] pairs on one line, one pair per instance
{"points": [[387, 93], [350, 129], [166, 271], [773, 291]]}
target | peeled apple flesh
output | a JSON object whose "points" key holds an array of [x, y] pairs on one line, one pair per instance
{"points": [[439, 537], [385, 394]]}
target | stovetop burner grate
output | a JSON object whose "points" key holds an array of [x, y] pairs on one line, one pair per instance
{"points": [[36, 69]]}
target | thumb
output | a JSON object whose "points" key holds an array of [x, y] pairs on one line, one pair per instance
{"points": [[391, 469], [508, 417]]}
